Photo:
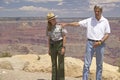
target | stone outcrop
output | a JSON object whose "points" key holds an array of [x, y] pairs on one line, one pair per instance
{"points": [[42, 63]]}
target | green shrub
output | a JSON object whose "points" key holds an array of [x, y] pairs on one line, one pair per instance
{"points": [[5, 54], [119, 65], [119, 68]]}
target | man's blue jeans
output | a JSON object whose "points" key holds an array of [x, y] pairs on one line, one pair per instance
{"points": [[90, 50]]}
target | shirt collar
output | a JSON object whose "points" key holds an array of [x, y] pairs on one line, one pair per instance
{"points": [[101, 19]]}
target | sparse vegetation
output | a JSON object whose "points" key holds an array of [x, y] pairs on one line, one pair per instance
{"points": [[119, 65], [119, 69], [5, 54]]}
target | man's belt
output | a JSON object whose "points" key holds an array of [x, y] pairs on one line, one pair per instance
{"points": [[93, 40]]}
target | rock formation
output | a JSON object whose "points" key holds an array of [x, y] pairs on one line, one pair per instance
{"points": [[42, 63]]}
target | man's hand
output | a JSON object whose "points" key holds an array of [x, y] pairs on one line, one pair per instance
{"points": [[97, 44], [62, 24], [63, 50]]}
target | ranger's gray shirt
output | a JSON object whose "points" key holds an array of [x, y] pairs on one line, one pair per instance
{"points": [[57, 33]]}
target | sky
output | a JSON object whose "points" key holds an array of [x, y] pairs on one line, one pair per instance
{"points": [[62, 8]]}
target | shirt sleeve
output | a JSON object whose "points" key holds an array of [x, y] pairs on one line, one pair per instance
{"points": [[107, 29], [83, 23], [64, 31]]}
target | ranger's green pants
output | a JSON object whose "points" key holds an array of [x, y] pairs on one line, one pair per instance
{"points": [[57, 61]]}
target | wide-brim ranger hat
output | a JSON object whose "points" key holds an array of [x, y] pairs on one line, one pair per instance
{"points": [[51, 16]]}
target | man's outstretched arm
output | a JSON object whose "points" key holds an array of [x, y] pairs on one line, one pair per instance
{"points": [[74, 24]]}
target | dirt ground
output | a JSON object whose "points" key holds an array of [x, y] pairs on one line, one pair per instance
{"points": [[22, 75]]}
